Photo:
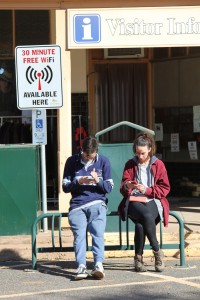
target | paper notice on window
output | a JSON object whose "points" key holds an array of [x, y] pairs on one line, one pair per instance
{"points": [[192, 147], [196, 118], [158, 132], [175, 142]]}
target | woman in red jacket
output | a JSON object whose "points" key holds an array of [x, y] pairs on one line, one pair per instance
{"points": [[145, 186]]}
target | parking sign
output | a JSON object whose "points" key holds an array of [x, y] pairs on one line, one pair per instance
{"points": [[39, 127]]}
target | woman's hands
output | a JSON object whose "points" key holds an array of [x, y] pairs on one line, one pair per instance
{"points": [[134, 185]]}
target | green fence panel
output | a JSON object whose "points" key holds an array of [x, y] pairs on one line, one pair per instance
{"points": [[118, 154], [20, 199]]}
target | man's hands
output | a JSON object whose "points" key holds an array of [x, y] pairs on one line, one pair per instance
{"points": [[95, 176], [87, 180]]}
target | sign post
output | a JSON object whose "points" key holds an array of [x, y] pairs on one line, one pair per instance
{"points": [[39, 87], [39, 136]]}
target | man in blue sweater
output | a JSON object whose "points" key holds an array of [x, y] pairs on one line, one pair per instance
{"points": [[87, 176]]}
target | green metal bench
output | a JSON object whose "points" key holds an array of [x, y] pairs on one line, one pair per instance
{"points": [[119, 246]]}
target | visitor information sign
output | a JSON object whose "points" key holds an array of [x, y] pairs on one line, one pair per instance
{"points": [[133, 27]]}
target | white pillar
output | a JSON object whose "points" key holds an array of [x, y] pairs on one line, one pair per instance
{"points": [[64, 113]]}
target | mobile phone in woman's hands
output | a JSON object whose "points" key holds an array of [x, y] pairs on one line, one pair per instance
{"points": [[134, 182]]}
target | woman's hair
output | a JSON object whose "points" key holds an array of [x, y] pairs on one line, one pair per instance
{"points": [[145, 139], [90, 145]]}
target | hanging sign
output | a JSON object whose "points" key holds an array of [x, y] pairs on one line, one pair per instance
{"points": [[38, 77], [133, 27]]}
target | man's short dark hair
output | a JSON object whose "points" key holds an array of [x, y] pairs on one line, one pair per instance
{"points": [[90, 145]]}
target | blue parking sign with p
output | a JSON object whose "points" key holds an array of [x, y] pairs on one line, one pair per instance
{"points": [[87, 28]]}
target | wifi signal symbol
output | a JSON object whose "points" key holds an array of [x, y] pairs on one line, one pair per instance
{"points": [[46, 74]]}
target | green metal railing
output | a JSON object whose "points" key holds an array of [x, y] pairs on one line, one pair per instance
{"points": [[119, 246], [132, 125]]}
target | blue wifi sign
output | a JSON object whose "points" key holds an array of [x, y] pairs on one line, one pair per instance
{"points": [[87, 28]]}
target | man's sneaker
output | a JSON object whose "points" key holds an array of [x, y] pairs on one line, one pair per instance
{"points": [[82, 272], [98, 271]]}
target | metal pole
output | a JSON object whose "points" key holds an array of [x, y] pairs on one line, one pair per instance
{"points": [[181, 237], [44, 190]]}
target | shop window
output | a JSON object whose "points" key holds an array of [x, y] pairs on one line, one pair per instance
{"points": [[17, 28], [178, 51], [79, 120], [175, 120], [32, 27], [183, 172], [8, 102], [6, 40], [160, 53], [25, 27], [120, 94], [194, 51], [175, 52]]}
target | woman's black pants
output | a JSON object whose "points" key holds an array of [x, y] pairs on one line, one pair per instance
{"points": [[145, 217]]}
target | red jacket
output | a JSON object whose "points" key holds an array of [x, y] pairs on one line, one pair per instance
{"points": [[160, 188]]}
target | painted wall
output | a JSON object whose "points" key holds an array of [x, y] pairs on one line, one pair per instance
{"points": [[78, 71], [64, 113]]}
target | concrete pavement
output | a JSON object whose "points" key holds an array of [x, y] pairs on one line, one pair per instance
{"points": [[55, 280]]}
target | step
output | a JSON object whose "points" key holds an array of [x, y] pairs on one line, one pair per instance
{"points": [[20, 247]]}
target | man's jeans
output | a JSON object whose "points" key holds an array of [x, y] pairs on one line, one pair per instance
{"points": [[93, 217]]}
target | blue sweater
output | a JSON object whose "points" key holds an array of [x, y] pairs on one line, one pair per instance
{"points": [[82, 193]]}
